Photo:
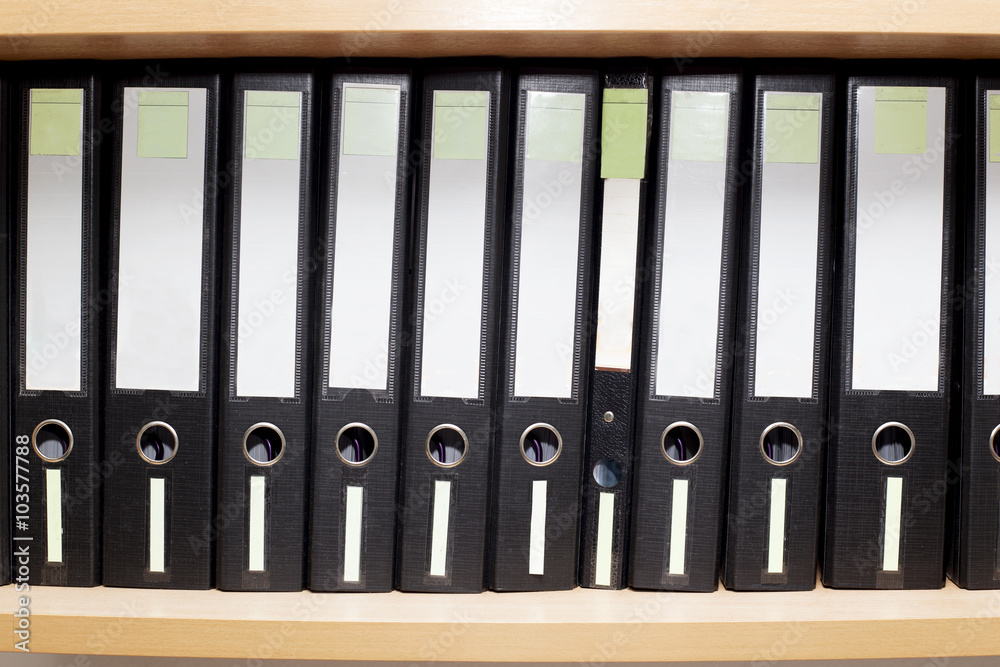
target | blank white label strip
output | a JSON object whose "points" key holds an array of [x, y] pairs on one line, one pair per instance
{"points": [[688, 314], [549, 261], [616, 292], [678, 527], [353, 525], [605, 535], [900, 204], [439, 527], [453, 284], [361, 307], [157, 523], [789, 232], [776, 528], [256, 533], [53, 515], [53, 273], [893, 523], [161, 237], [991, 268], [269, 250], [536, 547]]}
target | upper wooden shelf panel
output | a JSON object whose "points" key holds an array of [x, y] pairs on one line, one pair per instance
{"points": [[119, 29]]}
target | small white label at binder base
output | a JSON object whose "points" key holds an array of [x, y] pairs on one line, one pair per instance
{"points": [[776, 528], [536, 547], [54, 242], [678, 527], [439, 527], [616, 293], [353, 525], [361, 303], [548, 264], [453, 286], [991, 267], [267, 334], [256, 532], [157, 524], [161, 240], [53, 515], [893, 523], [687, 323], [901, 147], [605, 535]]}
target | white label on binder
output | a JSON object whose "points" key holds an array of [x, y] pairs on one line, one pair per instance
{"points": [[687, 327], [53, 515], [616, 292], [678, 527], [789, 231], [776, 528], [353, 525], [257, 518], [898, 243], [439, 527], [991, 270], [161, 237], [893, 523], [453, 281], [54, 244], [364, 243], [157, 523], [605, 541], [536, 550], [269, 245], [548, 265]]}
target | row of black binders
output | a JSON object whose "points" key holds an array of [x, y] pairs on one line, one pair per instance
{"points": [[447, 326]]}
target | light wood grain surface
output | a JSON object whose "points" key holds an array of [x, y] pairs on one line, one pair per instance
{"points": [[116, 29], [580, 626]]}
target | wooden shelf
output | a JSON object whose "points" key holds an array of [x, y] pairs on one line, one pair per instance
{"points": [[572, 626], [117, 29]]}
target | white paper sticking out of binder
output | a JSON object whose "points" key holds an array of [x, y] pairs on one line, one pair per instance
{"points": [[616, 291]]}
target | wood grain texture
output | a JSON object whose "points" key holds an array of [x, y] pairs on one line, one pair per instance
{"points": [[579, 625], [117, 29]]}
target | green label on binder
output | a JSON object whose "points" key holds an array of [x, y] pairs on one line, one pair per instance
{"points": [[371, 120], [56, 121], [698, 126], [994, 128], [623, 132], [791, 127], [163, 124], [900, 120], [555, 126], [460, 118], [272, 125]]}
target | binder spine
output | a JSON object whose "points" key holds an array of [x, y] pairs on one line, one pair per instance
{"points": [[682, 437], [449, 424], [56, 405], [353, 507], [540, 445], [7, 471], [264, 418], [779, 407]]}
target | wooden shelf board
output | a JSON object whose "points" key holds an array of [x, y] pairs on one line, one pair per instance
{"points": [[35, 29], [579, 626]]}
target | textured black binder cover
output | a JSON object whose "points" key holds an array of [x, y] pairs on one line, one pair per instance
{"points": [[653, 473], [513, 475], [974, 468], [81, 469], [614, 391], [287, 479], [190, 475], [855, 487], [464, 570], [744, 566], [336, 408], [6, 453]]}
